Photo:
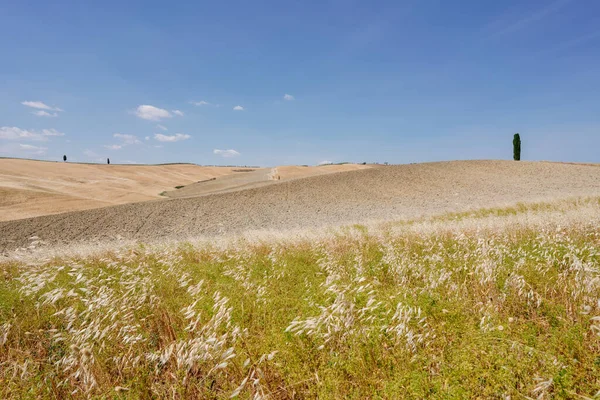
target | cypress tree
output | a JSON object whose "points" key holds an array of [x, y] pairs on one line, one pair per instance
{"points": [[64, 158], [517, 147]]}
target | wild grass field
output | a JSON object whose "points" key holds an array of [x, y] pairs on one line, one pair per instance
{"points": [[497, 303]]}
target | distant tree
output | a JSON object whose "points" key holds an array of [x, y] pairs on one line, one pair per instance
{"points": [[517, 147], [64, 158], [108, 161]]}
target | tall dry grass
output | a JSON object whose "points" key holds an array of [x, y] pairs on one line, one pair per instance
{"points": [[498, 303]]}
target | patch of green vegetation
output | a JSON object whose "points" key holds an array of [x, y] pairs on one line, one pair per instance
{"points": [[179, 187]]}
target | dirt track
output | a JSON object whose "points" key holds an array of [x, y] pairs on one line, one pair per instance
{"points": [[393, 192]]}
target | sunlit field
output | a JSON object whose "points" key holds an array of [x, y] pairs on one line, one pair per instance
{"points": [[501, 303]]}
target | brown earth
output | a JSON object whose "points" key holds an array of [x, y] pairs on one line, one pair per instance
{"points": [[31, 188], [384, 193], [247, 178], [242, 179], [300, 171]]}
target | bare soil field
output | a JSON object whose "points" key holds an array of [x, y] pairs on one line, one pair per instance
{"points": [[247, 178], [242, 178], [384, 193], [287, 172], [31, 188]]}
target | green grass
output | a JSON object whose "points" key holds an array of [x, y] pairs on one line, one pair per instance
{"points": [[358, 313]]}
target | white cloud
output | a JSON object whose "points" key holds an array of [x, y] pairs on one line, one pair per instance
{"points": [[200, 103], [14, 133], [21, 150], [288, 97], [127, 139], [238, 108], [40, 105], [177, 112], [33, 149], [151, 113], [171, 138], [52, 132], [226, 153], [326, 162], [147, 138], [42, 113], [162, 127]]}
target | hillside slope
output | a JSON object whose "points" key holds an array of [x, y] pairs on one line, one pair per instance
{"points": [[30, 188], [393, 192]]}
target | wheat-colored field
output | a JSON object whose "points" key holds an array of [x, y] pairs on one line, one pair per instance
{"points": [[30, 188]]}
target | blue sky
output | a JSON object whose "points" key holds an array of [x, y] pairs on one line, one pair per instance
{"points": [[375, 81]]}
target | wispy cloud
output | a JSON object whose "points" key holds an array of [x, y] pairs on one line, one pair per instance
{"points": [[162, 127], [52, 132], [178, 112], [23, 150], [151, 113], [226, 153], [33, 149], [288, 97], [14, 133], [40, 105], [124, 139], [238, 108], [578, 41], [200, 103], [171, 138], [127, 139], [502, 27], [42, 113]]}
